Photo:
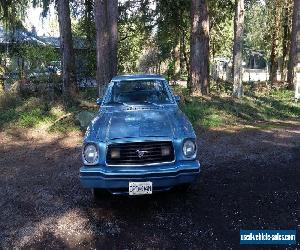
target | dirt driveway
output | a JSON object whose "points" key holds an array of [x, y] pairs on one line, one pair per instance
{"points": [[250, 180]]}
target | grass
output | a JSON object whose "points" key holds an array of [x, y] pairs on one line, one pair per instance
{"points": [[34, 112], [213, 111], [218, 109]]}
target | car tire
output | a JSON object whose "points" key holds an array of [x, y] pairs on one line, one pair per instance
{"points": [[99, 193], [183, 188]]}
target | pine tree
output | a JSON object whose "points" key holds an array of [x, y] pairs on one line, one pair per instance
{"points": [[199, 58]]}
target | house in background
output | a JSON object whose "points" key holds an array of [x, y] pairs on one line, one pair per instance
{"points": [[12, 58], [255, 68]]}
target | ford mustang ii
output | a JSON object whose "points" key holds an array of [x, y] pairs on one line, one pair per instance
{"points": [[139, 142]]}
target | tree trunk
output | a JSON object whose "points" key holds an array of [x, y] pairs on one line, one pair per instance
{"points": [[295, 45], [273, 56], [106, 18], [113, 26], [273, 64], [67, 52], [286, 38], [2, 86], [88, 19], [238, 48], [199, 58], [181, 57], [186, 59]]}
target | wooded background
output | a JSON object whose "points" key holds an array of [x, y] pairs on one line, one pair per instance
{"points": [[178, 38]]}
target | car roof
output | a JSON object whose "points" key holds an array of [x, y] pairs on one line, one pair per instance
{"points": [[137, 77]]}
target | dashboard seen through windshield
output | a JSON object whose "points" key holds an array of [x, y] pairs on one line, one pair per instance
{"points": [[139, 92]]}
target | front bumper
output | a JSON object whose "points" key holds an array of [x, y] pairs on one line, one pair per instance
{"points": [[163, 177]]}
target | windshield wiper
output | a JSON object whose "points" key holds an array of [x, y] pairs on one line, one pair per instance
{"points": [[116, 102], [153, 103]]}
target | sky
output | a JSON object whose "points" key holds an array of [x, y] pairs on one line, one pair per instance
{"points": [[44, 26], [49, 25]]}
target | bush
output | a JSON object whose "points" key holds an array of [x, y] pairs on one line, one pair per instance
{"points": [[8, 100]]}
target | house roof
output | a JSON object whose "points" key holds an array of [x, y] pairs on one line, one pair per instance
{"points": [[23, 35], [79, 43], [19, 35]]}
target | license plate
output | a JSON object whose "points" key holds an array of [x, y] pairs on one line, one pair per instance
{"points": [[140, 188]]}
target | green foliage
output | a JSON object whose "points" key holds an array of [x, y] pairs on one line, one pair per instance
{"points": [[8, 104], [267, 25], [222, 110], [28, 113], [89, 94], [35, 112], [221, 27], [84, 28], [173, 30], [202, 114], [134, 27], [257, 22], [66, 125], [130, 47], [36, 56], [12, 12], [221, 36], [172, 36], [217, 110], [173, 22]]}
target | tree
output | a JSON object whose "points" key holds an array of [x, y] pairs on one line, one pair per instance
{"points": [[2, 72], [172, 19], [238, 48], [67, 52], [268, 31], [221, 28], [134, 28], [12, 12], [295, 45], [88, 21], [258, 30], [199, 47], [286, 36], [173, 24], [106, 19], [275, 26]]}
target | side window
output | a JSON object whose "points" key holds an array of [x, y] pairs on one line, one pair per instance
{"points": [[170, 91]]}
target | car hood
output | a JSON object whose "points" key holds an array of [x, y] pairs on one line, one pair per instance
{"points": [[169, 123]]}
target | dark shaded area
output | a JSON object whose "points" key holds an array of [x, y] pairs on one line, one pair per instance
{"points": [[39, 183]]}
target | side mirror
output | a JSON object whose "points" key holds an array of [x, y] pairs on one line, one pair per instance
{"points": [[177, 98], [99, 101]]}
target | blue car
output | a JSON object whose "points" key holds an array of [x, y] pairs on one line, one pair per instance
{"points": [[140, 142]]}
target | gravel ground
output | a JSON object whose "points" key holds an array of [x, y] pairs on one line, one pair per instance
{"points": [[250, 180]]}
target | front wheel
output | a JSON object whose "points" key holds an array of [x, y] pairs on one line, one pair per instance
{"points": [[99, 193], [183, 188]]}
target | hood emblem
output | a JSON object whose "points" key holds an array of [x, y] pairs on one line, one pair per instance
{"points": [[141, 153]]}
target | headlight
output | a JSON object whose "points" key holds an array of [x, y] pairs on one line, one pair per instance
{"points": [[90, 154], [189, 149]]}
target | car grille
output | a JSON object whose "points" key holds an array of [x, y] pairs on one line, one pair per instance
{"points": [[140, 153]]}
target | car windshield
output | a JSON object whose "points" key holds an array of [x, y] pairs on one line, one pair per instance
{"points": [[139, 92]]}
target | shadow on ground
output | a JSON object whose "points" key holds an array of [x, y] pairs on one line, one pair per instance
{"points": [[43, 206]]}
